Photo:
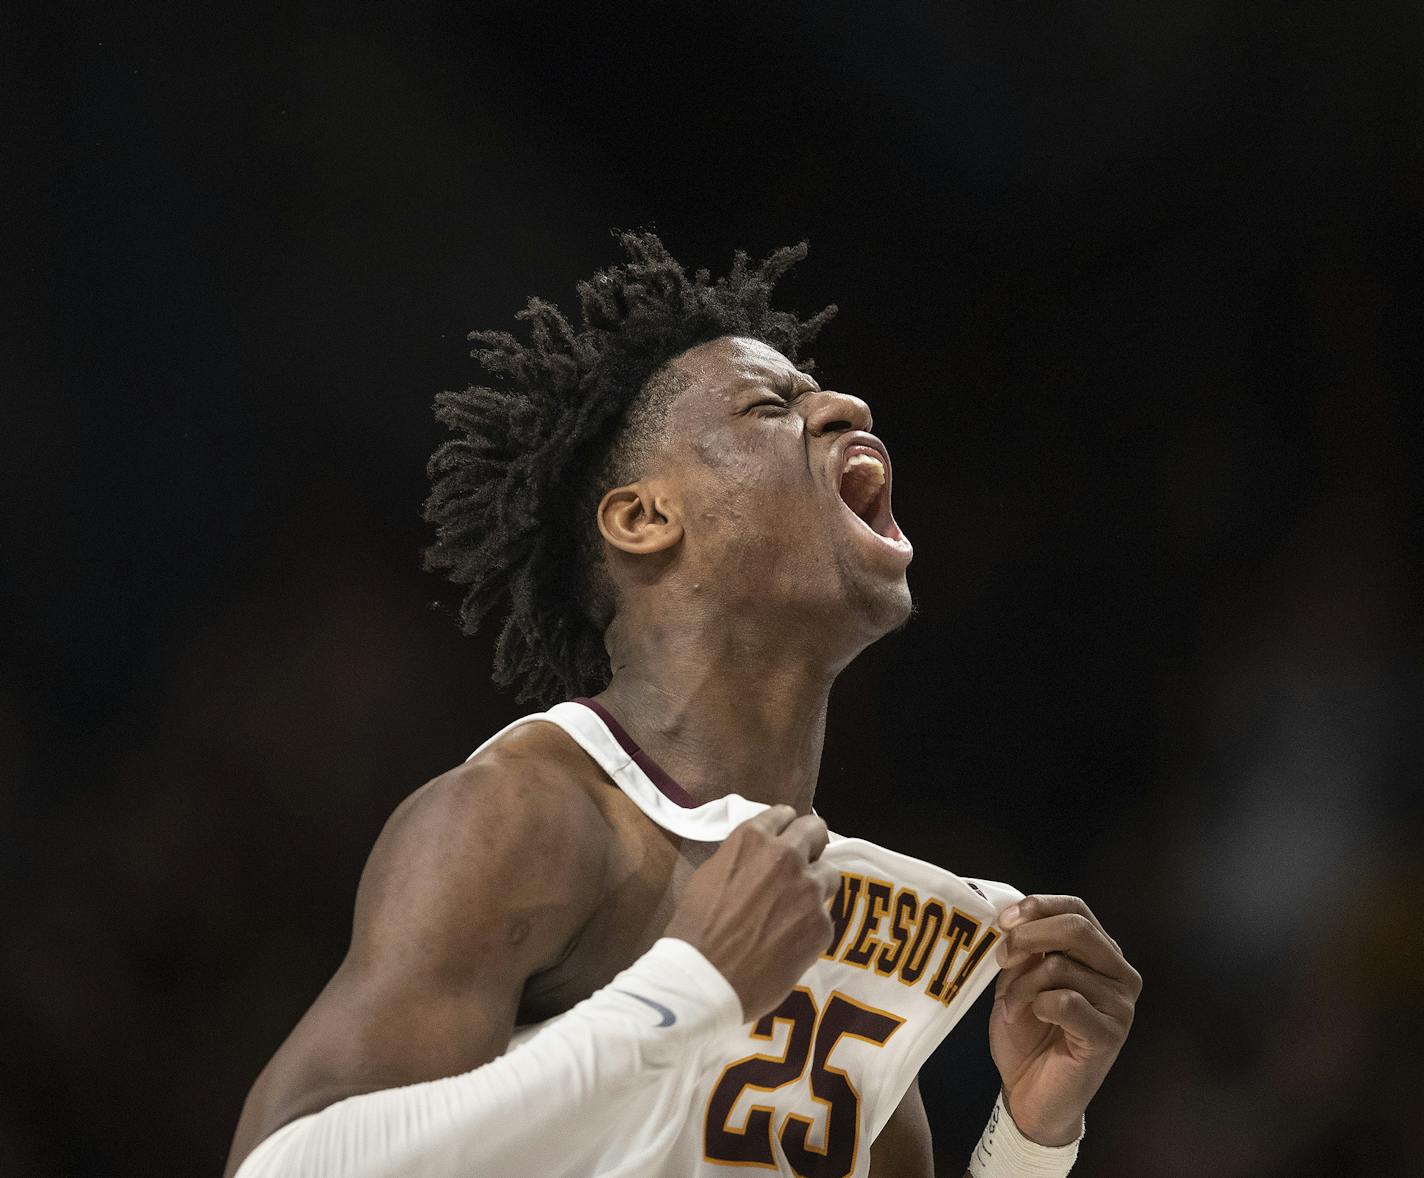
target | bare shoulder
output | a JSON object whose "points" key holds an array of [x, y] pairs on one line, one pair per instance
{"points": [[515, 830], [479, 880]]}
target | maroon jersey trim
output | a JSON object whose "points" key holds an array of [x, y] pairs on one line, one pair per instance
{"points": [[666, 785]]}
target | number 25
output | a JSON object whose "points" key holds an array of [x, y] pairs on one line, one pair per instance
{"points": [[810, 1038]]}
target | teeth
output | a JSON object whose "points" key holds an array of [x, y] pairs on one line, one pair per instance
{"points": [[868, 467]]}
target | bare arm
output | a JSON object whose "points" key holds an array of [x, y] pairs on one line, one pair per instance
{"points": [[904, 1148], [478, 882]]}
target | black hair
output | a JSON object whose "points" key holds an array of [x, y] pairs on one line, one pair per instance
{"points": [[513, 492]]}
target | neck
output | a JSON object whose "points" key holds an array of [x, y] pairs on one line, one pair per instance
{"points": [[734, 715]]}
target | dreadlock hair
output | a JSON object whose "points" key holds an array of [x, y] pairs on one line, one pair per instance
{"points": [[514, 492]]}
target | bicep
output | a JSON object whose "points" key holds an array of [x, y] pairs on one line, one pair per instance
{"points": [[383, 1028], [371, 1030], [476, 884], [903, 1148]]}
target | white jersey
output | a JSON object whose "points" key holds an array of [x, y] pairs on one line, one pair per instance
{"points": [[805, 1090]]}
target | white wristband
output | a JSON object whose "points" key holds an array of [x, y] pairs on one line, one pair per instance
{"points": [[1004, 1152]]}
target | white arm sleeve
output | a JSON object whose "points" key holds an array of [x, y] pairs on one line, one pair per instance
{"points": [[513, 1114]]}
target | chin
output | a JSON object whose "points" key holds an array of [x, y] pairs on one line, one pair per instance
{"points": [[898, 607], [880, 607]]}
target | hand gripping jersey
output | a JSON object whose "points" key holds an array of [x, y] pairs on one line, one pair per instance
{"points": [[805, 1090]]}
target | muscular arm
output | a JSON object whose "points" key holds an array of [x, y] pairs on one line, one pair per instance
{"points": [[479, 881]]}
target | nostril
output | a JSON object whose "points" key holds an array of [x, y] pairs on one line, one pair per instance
{"points": [[833, 412]]}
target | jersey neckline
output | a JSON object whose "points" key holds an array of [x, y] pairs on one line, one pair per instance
{"points": [[655, 773], [642, 779]]}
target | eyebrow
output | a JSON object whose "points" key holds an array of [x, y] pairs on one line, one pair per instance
{"points": [[793, 388], [790, 387]]}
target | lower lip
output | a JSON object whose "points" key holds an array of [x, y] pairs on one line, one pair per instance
{"points": [[895, 545]]}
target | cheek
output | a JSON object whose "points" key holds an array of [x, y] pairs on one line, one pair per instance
{"points": [[764, 474], [730, 458], [767, 535], [722, 475], [754, 501], [746, 504]]}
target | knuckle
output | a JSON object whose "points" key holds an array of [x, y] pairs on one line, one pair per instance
{"points": [[1030, 907], [1055, 965], [807, 892], [1079, 926]]}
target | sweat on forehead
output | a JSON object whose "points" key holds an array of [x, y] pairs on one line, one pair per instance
{"points": [[729, 364]]}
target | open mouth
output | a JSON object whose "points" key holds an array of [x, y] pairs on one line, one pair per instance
{"points": [[865, 490]]}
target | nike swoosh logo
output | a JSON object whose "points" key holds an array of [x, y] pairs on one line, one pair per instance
{"points": [[668, 1017]]}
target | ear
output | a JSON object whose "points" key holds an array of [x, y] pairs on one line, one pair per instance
{"points": [[638, 520]]}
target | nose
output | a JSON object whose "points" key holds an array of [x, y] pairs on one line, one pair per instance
{"points": [[833, 412]]}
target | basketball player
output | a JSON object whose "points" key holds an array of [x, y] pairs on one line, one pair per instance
{"points": [[617, 939]]}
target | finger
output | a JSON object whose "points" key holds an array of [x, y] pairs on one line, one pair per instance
{"points": [[1021, 986], [1037, 906], [1090, 1028], [808, 835], [1069, 933], [826, 877], [771, 821]]}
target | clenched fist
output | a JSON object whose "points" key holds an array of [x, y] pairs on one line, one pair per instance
{"points": [[757, 909]]}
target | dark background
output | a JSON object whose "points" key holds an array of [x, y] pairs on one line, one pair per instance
{"points": [[1133, 290]]}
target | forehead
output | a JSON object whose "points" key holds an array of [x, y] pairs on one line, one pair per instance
{"points": [[720, 369]]}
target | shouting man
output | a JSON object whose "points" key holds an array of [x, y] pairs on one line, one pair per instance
{"points": [[617, 939]]}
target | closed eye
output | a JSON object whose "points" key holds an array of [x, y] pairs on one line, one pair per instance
{"points": [[771, 403]]}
